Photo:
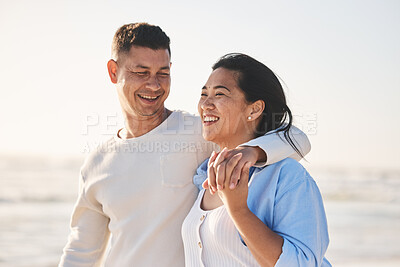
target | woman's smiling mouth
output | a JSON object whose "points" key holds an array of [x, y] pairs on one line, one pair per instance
{"points": [[209, 120]]}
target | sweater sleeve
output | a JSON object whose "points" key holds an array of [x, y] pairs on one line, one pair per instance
{"points": [[299, 217], [89, 234], [277, 148]]}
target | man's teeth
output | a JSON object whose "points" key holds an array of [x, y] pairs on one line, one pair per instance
{"points": [[148, 97], [207, 119]]}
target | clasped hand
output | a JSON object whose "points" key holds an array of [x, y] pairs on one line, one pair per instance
{"points": [[228, 174]]}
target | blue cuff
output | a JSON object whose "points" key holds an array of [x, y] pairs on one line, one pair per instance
{"points": [[201, 175]]}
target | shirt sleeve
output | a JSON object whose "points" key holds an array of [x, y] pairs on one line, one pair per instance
{"points": [[299, 217], [201, 175], [89, 234], [277, 148]]}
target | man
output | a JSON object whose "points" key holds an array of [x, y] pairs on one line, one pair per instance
{"points": [[138, 186]]}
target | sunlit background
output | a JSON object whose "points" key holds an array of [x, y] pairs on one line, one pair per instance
{"points": [[339, 60]]}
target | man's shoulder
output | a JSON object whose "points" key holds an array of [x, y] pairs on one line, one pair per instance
{"points": [[183, 122], [181, 115], [98, 153]]}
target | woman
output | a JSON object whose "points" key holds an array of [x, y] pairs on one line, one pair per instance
{"points": [[275, 215]]}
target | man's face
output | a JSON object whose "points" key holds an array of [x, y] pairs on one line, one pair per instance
{"points": [[143, 81]]}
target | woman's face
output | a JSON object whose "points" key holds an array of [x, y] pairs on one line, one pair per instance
{"points": [[224, 110]]}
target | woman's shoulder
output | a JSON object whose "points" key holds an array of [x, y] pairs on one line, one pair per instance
{"points": [[289, 166], [287, 173]]}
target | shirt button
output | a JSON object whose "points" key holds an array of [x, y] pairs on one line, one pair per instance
{"points": [[202, 218], [199, 244]]}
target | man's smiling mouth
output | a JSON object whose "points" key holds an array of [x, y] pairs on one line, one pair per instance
{"points": [[148, 97]]}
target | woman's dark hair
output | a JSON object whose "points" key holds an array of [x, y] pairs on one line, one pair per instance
{"points": [[258, 82]]}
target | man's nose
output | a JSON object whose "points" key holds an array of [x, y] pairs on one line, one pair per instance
{"points": [[153, 83]]}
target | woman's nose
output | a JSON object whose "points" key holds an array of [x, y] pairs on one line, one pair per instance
{"points": [[207, 104]]}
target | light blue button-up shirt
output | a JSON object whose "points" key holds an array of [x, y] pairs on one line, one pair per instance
{"points": [[286, 198]]}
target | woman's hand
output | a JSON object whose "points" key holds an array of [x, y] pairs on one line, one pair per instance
{"points": [[228, 165], [264, 244], [235, 200]]}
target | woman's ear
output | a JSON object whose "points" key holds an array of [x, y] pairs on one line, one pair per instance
{"points": [[257, 109], [112, 67]]}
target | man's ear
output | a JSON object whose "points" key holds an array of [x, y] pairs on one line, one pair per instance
{"points": [[112, 68], [257, 109]]}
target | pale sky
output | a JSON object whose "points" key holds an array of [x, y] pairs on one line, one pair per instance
{"points": [[340, 61]]}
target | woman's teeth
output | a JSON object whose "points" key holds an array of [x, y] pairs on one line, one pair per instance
{"points": [[210, 118]]}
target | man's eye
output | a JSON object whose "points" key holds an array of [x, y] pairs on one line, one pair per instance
{"points": [[140, 73], [219, 94], [203, 94], [164, 74]]}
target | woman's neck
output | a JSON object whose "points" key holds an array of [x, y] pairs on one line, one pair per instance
{"points": [[234, 141]]}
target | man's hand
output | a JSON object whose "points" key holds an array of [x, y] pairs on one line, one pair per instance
{"points": [[227, 165]]}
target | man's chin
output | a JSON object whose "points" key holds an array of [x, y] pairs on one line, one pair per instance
{"points": [[152, 112]]}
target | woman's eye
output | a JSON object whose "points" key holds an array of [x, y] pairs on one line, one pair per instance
{"points": [[203, 94]]}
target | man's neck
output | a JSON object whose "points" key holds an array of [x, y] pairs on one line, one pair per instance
{"points": [[135, 127]]}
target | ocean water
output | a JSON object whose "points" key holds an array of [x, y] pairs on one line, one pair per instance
{"points": [[37, 197]]}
